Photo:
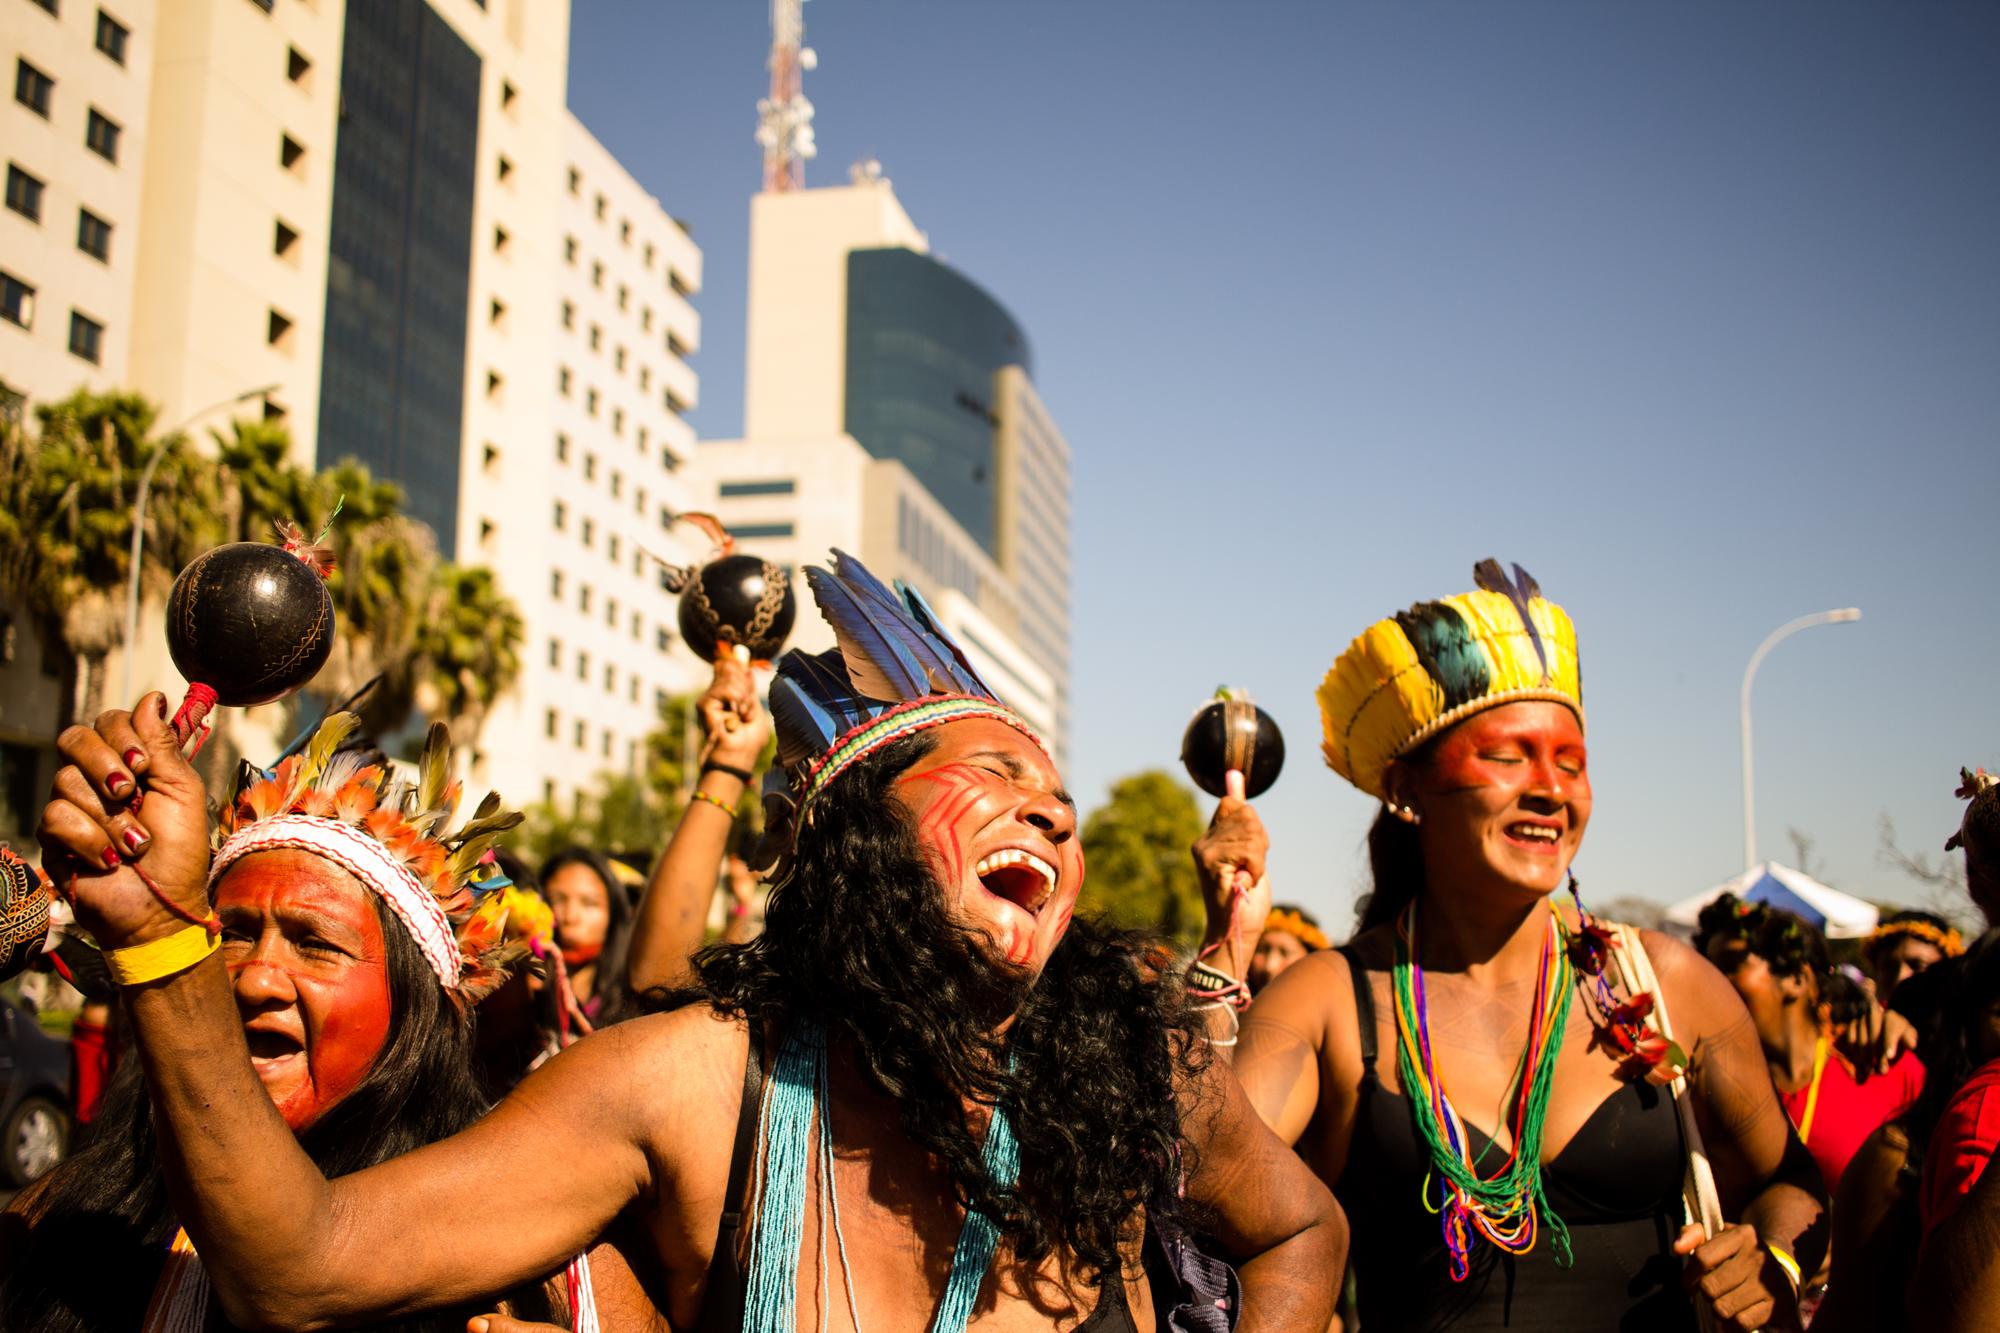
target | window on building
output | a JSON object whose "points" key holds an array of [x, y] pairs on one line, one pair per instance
{"points": [[613, 545], [618, 358], [624, 297], [278, 330], [610, 678], [625, 231], [583, 598], [617, 421], [100, 135], [596, 337], [86, 337], [750, 530], [632, 691], [569, 249], [642, 448], [562, 380], [487, 530], [617, 484], [549, 724], [645, 378], [51, 6], [589, 532], [297, 67], [676, 346], [638, 621], [32, 88], [285, 241], [575, 180], [590, 467], [291, 155], [508, 95], [679, 285], [672, 402], [548, 791], [24, 193], [670, 460], [556, 583], [639, 501], [663, 638], [111, 37], [501, 238], [596, 274], [504, 169], [17, 301], [590, 402], [489, 458], [555, 651], [569, 314], [645, 319], [582, 665], [597, 207], [562, 447], [495, 382], [659, 701], [496, 313], [611, 608], [582, 738], [774, 486], [604, 747], [561, 516]]}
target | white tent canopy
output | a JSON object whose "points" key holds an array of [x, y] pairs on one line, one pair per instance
{"points": [[1837, 915]]}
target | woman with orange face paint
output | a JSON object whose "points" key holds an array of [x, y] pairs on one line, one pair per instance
{"points": [[1482, 1074], [335, 895]]}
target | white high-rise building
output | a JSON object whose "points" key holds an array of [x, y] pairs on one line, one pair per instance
{"points": [[890, 410], [384, 212]]}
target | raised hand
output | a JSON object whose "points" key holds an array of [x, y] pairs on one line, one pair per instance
{"points": [[126, 809], [1230, 860], [736, 724]]}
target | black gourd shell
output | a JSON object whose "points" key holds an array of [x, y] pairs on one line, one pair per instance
{"points": [[1233, 733], [252, 622], [738, 599]]}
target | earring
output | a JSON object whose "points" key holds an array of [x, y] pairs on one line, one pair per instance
{"points": [[1408, 814]]}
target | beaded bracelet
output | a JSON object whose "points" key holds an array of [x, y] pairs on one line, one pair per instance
{"points": [[1789, 1265], [716, 801], [141, 963]]}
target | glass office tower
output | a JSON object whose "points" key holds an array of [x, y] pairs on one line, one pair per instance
{"points": [[393, 374]]}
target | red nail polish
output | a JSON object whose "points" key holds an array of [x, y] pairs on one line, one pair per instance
{"points": [[134, 840], [135, 759], [118, 784], [111, 858]]}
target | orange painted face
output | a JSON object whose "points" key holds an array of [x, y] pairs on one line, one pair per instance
{"points": [[310, 971], [999, 832], [1504, 797], [583, 912]]}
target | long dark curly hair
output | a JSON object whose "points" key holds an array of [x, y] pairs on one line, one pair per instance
{"points": [[102, 1221], [1789, 945], [1089, 1073]]}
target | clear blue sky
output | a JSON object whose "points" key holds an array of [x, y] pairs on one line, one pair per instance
{"points": [[1693, 310]]}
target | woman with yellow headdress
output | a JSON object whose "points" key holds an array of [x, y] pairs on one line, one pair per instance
{"points": [[1534, 1119]]}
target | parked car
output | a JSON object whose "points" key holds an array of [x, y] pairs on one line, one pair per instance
{"points": [[34, 1097]]}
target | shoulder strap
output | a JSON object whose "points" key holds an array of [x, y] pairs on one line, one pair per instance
{"points": [[727, 1280], [1364, 1008]]}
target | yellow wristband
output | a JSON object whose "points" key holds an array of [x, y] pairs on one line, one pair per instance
{"points": [[1789, 1264], [162, 957]]}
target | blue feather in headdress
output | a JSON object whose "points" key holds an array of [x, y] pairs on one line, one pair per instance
{"points": [[933, 654], [879, 664], [1519, 590], [1447, 650], [964, 678]]}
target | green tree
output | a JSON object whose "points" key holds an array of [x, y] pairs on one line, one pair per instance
{"points": [[468, 649], [1140, 872], [65, 547]]}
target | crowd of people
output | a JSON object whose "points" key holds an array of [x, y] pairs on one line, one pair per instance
{"points": [[382, 1073]]}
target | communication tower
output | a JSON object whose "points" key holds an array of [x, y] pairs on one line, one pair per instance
{"points": [[784, 119]]}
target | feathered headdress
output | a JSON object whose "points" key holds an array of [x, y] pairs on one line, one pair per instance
{"points": [[894, 672], [389, 833], [1409, 677]]}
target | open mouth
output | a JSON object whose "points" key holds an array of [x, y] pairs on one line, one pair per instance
{"points": [[1018, 877], [1534, 835], [272, 1051]]}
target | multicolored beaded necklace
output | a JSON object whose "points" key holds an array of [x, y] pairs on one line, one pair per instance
{"points": [[1508, 1206]]}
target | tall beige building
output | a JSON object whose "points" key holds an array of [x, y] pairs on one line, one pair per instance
{"points": [[890, 409], [383, 211]]}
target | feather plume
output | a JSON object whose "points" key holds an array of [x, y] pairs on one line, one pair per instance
{"points": [[359, 796], [263, 800], [880, 667], [1444, 645], [319, 751], [1488, 575], [967, 679], [480, 825], [433, 774], [805, 728], [936, 655]]}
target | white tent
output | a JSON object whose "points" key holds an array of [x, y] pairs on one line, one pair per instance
{"points": [[1837, 915]]}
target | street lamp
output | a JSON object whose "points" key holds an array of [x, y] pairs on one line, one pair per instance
{"points": [[1839, 617], [139, 523]]}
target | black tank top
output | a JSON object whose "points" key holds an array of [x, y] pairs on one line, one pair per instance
{"points": [[729, 1277], [1616, 1184]]}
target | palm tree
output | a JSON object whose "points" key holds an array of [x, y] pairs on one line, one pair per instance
{"points": [[469, 645], [67, 548]]}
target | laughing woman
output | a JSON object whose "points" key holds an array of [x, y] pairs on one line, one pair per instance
{"points": [[1498, 1120]]}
